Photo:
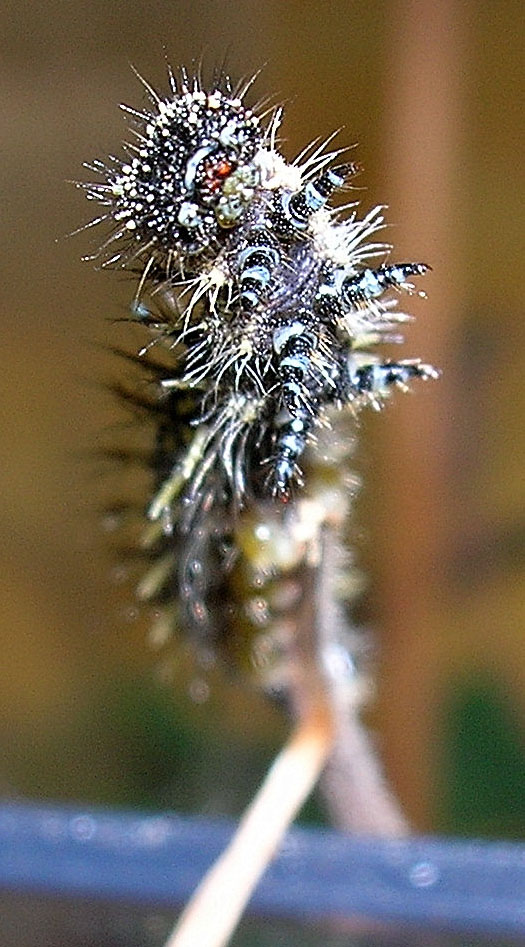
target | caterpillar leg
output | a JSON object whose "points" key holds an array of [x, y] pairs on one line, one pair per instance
{"points": [[370, 284], [256, 263], [295, 209], [340, 293], [378, 378], [290, 445]]}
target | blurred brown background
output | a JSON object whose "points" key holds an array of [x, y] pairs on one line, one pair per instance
{"points": [[431, 92]]}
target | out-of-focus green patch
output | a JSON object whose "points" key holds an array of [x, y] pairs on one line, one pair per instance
{"points": [[483, 771]]}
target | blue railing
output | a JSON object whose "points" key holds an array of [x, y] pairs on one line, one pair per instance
{"points": [[452, 885]]}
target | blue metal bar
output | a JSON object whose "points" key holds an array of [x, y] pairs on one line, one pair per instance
{"points": [[454, 885]]}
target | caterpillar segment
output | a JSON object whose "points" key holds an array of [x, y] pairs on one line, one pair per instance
{"points": [[293, 344], [257, 263]]}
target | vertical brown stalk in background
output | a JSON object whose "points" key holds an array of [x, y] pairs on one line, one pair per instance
{"points": [[422, 110]]}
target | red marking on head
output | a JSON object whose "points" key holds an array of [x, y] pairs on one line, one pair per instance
{"points": [[216, 173]]}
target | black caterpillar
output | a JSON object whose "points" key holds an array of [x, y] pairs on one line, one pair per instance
{"points": [[268, 301]]}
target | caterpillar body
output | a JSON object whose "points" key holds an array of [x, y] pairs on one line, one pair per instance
{"points": [[268, 303]]}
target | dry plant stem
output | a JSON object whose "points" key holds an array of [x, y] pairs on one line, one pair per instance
{"points": [[212, 914], [214, 910], [356, 792], [357, 795]]}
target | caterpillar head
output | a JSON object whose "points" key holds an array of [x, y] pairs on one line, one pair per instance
{"points": [[189, 179]]}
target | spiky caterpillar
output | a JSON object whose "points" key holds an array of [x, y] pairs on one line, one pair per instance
{"points": [[269, 301]]}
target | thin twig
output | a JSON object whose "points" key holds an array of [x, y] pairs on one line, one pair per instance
{"points": [[356, 792], [213, 912]]}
